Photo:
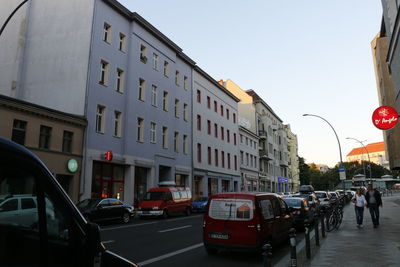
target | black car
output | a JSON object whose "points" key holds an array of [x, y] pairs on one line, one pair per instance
{"points": [[312, 200], [102, 209], [48, 229], [300, 209]]}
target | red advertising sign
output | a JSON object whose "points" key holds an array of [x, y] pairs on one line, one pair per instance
{"points": [[385, 117]]}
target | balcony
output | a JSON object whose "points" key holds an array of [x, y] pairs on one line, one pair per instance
{"points": [[283, 163], [262, 134], [264, 154]]}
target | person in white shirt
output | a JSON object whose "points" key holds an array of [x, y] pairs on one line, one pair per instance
{"points": [[359, 203]]}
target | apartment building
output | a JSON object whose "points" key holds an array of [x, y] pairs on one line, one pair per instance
{"points": [[215, 137], [374, 152], [293, 159]]}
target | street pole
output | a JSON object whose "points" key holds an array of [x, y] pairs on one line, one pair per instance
{"points": [[369, 160], [337, 138], [10, 16]]}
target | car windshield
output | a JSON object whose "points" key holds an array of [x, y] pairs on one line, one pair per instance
{"points": [[87, 203], [321, 195], [200, 199], [154, 196], [293, 202]]}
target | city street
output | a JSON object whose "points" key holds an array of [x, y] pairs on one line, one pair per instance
{"points": [[176, 241]]}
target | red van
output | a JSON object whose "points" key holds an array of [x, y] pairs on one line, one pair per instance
{"points": [[245, 221], [164, 201]]}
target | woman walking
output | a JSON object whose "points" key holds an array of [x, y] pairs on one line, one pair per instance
{"points": [[359, 203]]}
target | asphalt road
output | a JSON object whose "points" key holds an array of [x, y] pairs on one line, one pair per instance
{"points": [[176, 241]]}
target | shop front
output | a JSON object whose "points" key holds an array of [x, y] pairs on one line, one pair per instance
{"points": [[108, 180]]}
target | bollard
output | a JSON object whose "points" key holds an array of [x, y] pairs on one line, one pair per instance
{"points": [[307, 238], [293, 254], [322, 223], [267, 255], [316, 220]]}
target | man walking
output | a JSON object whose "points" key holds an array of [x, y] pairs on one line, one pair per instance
{"points": [[374, 201]]}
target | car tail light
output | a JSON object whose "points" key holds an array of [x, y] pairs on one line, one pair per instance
{"points": [[306, 208], [204, 224], [258, 227], [296, 212], [326, 199]]}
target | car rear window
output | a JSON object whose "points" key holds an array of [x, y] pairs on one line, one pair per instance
{"points": [[321, 195], [292, 202], [232, 209]]}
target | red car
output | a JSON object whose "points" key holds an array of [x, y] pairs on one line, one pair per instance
{"points": [[245, 221]]}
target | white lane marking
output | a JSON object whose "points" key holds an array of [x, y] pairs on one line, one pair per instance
{"points": [[108, 241], [168, 255], [173, 229], [127, 226], [183, 218]]}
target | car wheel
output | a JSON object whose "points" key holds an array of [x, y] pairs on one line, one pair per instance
{"points": [[187, 211], [211, 251], [126, 217], [165, 214]]}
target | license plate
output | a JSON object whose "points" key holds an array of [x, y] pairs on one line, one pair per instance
{"points": [[146, 212], [219, 236]]}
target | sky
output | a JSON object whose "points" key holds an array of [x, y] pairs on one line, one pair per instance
{"points": [[307, 56]]}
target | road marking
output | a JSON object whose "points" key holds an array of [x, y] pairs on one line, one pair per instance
{"points": [[108, 241], [173, 229], [127, 226], [168, 255], [183, 218]]}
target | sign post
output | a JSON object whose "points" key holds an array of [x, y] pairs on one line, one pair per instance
{"points": [[342, 175]]}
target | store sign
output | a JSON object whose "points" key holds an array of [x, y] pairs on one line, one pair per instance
{"points": [[385, 117], [72, 165], [108, 155]]}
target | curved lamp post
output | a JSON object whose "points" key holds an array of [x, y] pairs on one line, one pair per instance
{"points": [[10, 16], [369, 160], [337, 138]]}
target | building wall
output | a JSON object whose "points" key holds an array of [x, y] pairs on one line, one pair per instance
{"points": [[47, 53], [293, 158], [249, 160]]}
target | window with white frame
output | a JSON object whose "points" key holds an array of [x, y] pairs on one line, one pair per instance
{"points": [[185, 144], [100, 118], [107, 33], [103, 72], [120, 81], [143, 53], [154, 95], [122, 40], [140, 130], [165, 101], [165, 137], [177, 108], [153, 136], [155, 61], [185, 112], [176, 141], [177, 77], [117, 123], [166, 68], [141, 89], [185, 82]]}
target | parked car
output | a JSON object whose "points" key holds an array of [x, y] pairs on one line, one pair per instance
{"points": [[350, 194], [97, 209], [58, 234], [164, 201], [312, 200], [245, 221], [199, 204], [324, 199], [334, 197], [300, 209]]}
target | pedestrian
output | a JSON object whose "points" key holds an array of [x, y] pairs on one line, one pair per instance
{"points": [[359, 203], [374, 201]]}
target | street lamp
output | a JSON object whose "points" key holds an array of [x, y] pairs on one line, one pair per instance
{"points": [[337, 138], [10, 16], [369, 160]]}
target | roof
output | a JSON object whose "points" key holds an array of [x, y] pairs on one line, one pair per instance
{"points": [[371, 148], [257, 98]]}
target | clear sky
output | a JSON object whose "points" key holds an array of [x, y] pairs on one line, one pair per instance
{"points": [[309, 56]]}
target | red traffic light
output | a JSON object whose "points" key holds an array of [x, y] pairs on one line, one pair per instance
{"points": [[108, 155]]}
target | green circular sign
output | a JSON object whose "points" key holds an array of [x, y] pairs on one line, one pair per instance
{"points": [[72, 165]]}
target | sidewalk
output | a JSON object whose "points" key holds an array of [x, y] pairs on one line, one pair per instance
{"points": [[350, 246]]}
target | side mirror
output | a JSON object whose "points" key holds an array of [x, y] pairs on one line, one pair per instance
{"points": [[99, 207], [93, 239]]}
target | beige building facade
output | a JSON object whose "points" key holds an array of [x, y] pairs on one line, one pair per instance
{"points": [[293, 157]]}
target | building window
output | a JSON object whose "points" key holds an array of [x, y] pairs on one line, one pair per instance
{"points": [[176, 142], [223, 159], [198, 122], [67, 142], [103, 72], [234, 117], [44, 138], [120, 81], [107, 33], [241, 139], [216, 130], [155, 61], [19, 132], [177, 106], [222, 133], [198, 94], [247, 159], [164, 137], [234, 139], [143, 53], [241, 157], [185, 144], [185, 112], [153, 132], [228, 136], [199, 152], [166, 68], [209, 155], [208, 102], [100, 119], [117, 123], [185, 82], [165, 101], [141, 89], [208, 126], [229, 160], [154, 95], [235, 162], [222, 110], [216, 157], [122, 39], [140, 130], [215, 106], [227, 114], [177, 77]]}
